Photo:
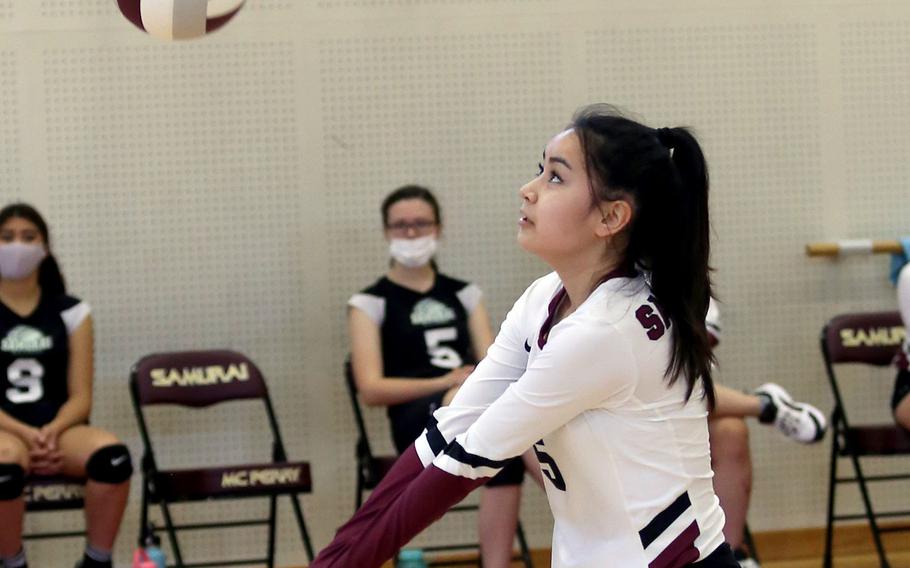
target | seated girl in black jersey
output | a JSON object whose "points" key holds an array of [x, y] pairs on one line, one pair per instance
{"points": [[46, 371], [415, 336], [603, 367]]}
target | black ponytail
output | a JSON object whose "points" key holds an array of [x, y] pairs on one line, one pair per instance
{"points": [[664, 175], [50, 278]]}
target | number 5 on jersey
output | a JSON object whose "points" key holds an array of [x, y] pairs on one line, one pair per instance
{"points": [[548, 467], [440, 355]]}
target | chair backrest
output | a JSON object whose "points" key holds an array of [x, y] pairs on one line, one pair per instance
{"points": [[871, 338], [196, 378]]}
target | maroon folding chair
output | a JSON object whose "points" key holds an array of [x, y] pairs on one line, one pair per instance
{"points": [[51, 494], [868, 339], [199, 379]]}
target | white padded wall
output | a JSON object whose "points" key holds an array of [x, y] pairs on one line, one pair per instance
{"points": [[225, 192], [10, 153]]}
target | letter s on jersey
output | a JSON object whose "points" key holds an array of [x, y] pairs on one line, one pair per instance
{"points": [[650, 321]]}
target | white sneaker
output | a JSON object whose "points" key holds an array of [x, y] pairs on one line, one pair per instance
{"points": [[797, 420], [748, 563]]}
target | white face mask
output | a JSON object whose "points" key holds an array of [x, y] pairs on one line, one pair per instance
{"points": [[413, 252], [18, 260]]}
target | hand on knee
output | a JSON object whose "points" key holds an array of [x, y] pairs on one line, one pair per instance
{"points": [[110, 464], [12, 481]]}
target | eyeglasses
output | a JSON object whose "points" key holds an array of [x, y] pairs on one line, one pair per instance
{"points": [[421, 227]]}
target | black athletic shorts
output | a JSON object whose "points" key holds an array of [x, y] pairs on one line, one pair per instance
{"points": [[722, 557], [409, 419], [35, 414]]}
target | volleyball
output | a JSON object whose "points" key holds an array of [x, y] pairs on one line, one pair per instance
{"points": [[179, 19]]}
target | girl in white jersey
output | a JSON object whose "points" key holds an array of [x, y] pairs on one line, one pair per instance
{"points": [[603, 367]]}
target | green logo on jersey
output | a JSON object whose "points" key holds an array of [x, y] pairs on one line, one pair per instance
{"points": [[431, 312], [25, 339]]}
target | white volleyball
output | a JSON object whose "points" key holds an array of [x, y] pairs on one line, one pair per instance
{"points": [[179, 19]]}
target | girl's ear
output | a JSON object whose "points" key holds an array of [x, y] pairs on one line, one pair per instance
{"points": [[616, 217]]}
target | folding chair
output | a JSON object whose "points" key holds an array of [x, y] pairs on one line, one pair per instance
{"points": [[371, 469], [201, 379], [868, 339], [50, 494]]}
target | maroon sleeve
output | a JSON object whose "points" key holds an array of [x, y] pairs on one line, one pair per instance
{"points": [[408, 500]]}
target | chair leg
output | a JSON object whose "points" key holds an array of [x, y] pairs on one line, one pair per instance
{"points": [[273, 514], [867, 502], [144, 528], [523, 545], [171, 533], [750, 543], [298, 513], [832, 494]]}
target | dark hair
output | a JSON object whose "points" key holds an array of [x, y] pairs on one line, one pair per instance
{"points": [[410, 192], [49, 276], [662, 172]]}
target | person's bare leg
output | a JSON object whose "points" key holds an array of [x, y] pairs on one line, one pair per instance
{"points": [[497, 523], [732, 464], [733, 403], [13, 451], [532, 466], [902, 412], [104, 502]]}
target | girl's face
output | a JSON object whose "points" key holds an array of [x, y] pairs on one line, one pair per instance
{"points": [[557, 220], [410, 219], [17, 229]]}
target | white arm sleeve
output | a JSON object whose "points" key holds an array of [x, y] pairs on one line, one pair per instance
{"points": [[469, 296], [372, 306], [584, 365], [73, 317]]}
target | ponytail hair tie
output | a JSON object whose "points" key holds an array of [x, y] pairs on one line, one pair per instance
{"points": [[667, 137]]}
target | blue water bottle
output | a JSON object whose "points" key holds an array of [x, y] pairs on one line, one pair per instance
{"points": [[154, 552], [411, 558]]}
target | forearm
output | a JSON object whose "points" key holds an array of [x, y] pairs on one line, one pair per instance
{"points": [[74, 411], [408, 500], [10, 424], [388, 391], [733, 403]]}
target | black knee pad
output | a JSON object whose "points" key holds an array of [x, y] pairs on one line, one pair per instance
{"points": [[12, 481], [110, 464]]}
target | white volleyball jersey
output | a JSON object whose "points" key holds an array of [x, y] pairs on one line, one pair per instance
{"points": [[626, 457], [712, 322], [903, 303]]}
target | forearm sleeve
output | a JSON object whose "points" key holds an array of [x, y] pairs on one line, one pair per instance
{"points": [[408, 499]]}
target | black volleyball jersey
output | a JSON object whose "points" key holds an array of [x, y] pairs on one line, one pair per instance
{"points": [[423, 334], [34, 357]]}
